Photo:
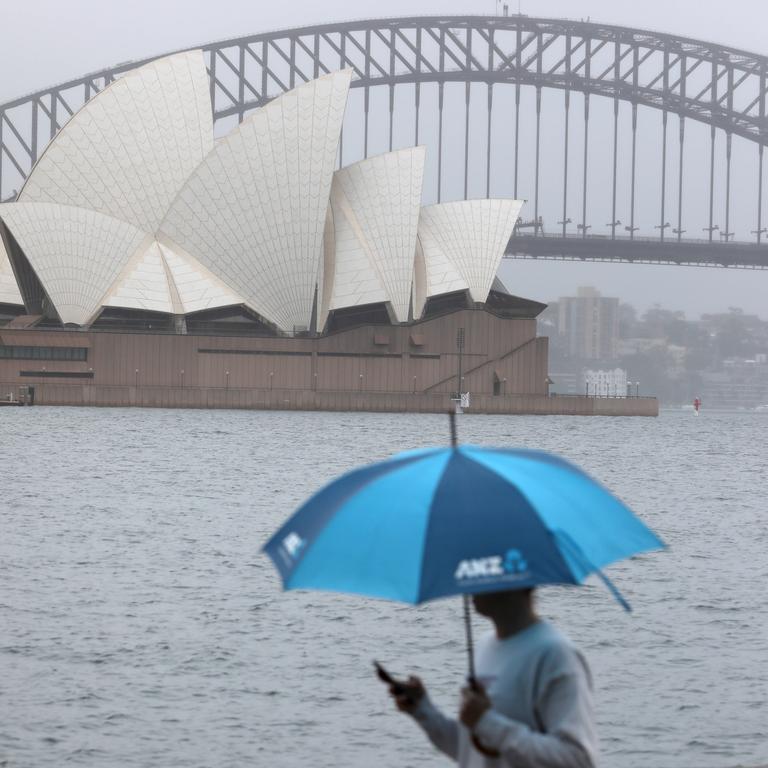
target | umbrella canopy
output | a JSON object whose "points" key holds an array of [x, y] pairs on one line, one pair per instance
{"points": [[431, 523]]}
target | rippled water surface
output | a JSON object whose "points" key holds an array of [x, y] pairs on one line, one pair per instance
{"points": [[140, 626]]}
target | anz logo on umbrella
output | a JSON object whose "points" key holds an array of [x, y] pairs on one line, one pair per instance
{"points": [[511, 566]]}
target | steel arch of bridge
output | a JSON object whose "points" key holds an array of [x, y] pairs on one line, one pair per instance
{"points": [[722, 87]]}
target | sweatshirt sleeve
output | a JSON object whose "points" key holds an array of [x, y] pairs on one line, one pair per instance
{"points": [[443, 731], [564, 707]]}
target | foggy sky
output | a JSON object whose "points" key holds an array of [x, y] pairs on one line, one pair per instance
{"points": [[43, 42]]}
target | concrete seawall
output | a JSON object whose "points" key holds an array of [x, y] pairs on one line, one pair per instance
{"points": [[50, 393]]}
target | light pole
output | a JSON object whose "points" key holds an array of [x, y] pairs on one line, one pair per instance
{"points": [[271, 378], [503, 386], [360, 383], [182, 378], [226, 381], [414, 385], [136, 378], [460, 347], [314, 381], [637, 389]]}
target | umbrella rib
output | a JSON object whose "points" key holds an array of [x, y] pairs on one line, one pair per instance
{"points": [[577, 553]]}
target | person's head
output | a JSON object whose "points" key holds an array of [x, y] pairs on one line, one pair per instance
{"points": [[511, 605]]}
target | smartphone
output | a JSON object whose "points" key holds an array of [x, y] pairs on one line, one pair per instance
{"points": [[397, 688]]}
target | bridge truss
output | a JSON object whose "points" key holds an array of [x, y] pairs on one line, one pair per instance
{"points": [[684, 79]]}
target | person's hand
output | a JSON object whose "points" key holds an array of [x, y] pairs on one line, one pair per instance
{"points": [[408, 694], [474, 704]]}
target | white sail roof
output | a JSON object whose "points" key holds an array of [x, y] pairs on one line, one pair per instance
{"points": [[162, 279], [197, 288], [419, 292], [130, 149], [133, 205], [442, 275], [76, 254], [145, 284], [375, 205], [9, 291], [253, 213], [464, 242]]}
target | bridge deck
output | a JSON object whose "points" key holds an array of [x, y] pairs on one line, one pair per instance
{"points": [[639, 250]]}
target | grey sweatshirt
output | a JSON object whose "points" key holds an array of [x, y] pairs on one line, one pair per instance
{"points": [[541, 714]]}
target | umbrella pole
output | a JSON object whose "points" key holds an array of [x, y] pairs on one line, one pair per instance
{"points": [[470, 644], [467, 607]]}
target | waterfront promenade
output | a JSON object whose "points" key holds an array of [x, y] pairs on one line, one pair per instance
{"points": [[307, 400]]}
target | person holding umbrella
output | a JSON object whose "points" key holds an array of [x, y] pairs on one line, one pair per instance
{"points": [[488, 524], [530, 703]]}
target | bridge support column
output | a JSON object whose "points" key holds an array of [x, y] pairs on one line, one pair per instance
{"points": [[417, 106], [713, 91], [584, 225], [728, 143], [760, 194], [615, 159], [763, 77], [517, 135], [488, 148], [662, 223], [440, 142], [711, 227], [680, 180], [565, 161], [538, 154], [467, 97]]}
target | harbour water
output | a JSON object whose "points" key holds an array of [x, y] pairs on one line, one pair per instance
{"points": [[141, 626]]}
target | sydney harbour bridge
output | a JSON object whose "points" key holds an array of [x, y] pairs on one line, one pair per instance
{"points": [[466, 82]]}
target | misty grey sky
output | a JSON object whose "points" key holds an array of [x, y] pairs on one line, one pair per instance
{"points": [[47, 41]]}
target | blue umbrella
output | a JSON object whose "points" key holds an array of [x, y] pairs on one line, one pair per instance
{"points": [[436, 522]]}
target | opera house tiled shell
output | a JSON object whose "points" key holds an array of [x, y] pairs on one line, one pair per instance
{"points": [[134, 206]]}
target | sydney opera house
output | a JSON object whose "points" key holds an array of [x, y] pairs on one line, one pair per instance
{"points": [[147, 262]]}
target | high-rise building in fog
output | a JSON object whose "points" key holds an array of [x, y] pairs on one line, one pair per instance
{"points": [[589, 323]]}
